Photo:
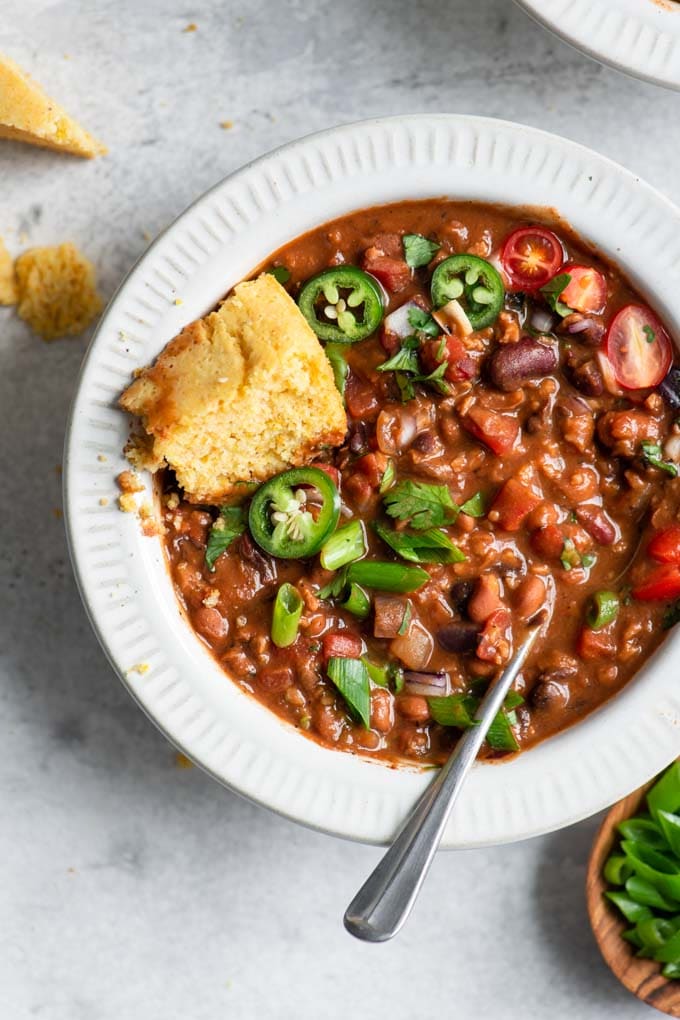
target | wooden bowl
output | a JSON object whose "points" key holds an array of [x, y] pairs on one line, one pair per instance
{"points": [[641, 977]]}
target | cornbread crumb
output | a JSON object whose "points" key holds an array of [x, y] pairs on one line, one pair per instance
{"points": [[58, 512], [102, 457], [191, 27], [172, 501], [145, 512], [140, 667], [226, 125], [8, 283], [27, 114], [178, 301], [57, 291], [128, 481], [212, 598], [182, 762], [103, 501], [277, 407], [127, 503]]}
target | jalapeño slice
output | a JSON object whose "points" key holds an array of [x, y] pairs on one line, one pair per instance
{"points": [[342, 305], [284, 522], [472, 281]]}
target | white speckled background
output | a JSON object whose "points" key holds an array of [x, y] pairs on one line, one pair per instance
{"points": [[131, 888]]}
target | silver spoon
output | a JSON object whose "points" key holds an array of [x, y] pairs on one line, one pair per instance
{"points": [[386, 898]]}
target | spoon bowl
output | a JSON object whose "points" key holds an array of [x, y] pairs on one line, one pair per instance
{"points": [[641, 977]]}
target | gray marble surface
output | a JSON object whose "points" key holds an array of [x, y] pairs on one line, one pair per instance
{"points": [[131, 888]]}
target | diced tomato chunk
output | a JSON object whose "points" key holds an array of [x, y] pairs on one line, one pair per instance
{"points": [[460, 365], [662, 583], [372, 466], [393, 273], [341, 644], [361, 399], [498, 431], [495, 641], [586, 291], [596, 644], [665, 546], [512, 504], [548, 542]]}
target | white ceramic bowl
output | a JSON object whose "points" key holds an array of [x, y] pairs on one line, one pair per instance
{"points": [[638, 37], [122, 575]]}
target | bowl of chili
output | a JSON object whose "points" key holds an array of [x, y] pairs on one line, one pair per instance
{"points": [[403, 166]]}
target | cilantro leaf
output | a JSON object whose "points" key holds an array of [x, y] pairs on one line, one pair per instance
{"points": [[406, 390], [335, 587], [431, 546], [423, 322], [436, 379], [280, 274], [423, 505], [418, 251], [405, 360], [653, 454], [229, 525], [552, 290], [475, 506], [387, 480]]}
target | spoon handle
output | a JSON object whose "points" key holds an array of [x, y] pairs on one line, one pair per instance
{"points": [[386, 898]]}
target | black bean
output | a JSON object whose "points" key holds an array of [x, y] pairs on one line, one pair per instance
{"points": [[460, 594], [459, 636], [514, 364]]}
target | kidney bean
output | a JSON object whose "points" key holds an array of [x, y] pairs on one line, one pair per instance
{"points": [[597, 524], [514, 364], [210, 623], [486, 598], [587, 378], [529, 597]]}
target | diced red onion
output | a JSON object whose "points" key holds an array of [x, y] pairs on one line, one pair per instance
{"points": [[397, 322], [671, 449], [427, 685], [542, 320], [579, 324]]}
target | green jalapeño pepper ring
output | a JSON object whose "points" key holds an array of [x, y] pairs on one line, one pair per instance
{"points": [[475, 282], [342, 304], [281, 520]]}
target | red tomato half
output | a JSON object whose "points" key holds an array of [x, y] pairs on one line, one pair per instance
{"points": [[665, 546], [663, 583], [638, 348], [586, 291], [531, 256]]}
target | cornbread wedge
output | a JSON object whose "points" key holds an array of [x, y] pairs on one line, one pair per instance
{"points": [[238, 396], [27, 114]]}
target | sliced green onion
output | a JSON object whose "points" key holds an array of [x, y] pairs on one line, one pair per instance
{"points": [[631, 935], [389, 475], [644, 830], [357, 602], [647, 894], [348, 543], [603, 610], [665, 794], [654, 932], [379, 675], [671, 970], [669, 951], [475, 506], [670, 826], [286, 615], [499, 736], [454, 710], [384, 576], [406, 619], [350, 676], [617, 869], [631, 910], [653, 866]]}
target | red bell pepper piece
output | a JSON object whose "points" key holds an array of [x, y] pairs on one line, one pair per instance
{"points": [[665, 546], [662, 583], [341, 644], [512, 504]]}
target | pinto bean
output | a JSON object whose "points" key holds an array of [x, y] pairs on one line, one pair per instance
{"points": [[529, 597], [486, 598], [210, 623], [514, 364], [413, 707], [381, 710]]}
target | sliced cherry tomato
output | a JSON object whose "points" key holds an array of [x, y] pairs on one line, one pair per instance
{"points": [[639, 348], [586, 291], [512, 504], [531, 256], [498, 431], [665, 546], [663, 583]]}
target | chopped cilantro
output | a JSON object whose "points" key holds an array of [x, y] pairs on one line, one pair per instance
{"points": [[430, 546], [387, 480], [552, 291], [421, 504], [475, 506], [229, 525], [405, 360], [653, 455], [418, 251], [280, 273], [423, 322], [650, 335], [405, 620]]}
